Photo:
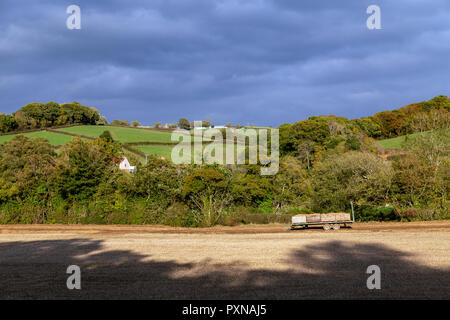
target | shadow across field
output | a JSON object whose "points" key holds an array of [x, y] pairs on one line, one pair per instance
{"points": [[331, 270]]}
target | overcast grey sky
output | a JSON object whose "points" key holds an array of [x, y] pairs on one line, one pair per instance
{"points": [[242, 61]]}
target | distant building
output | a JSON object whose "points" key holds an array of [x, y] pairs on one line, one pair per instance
{"points": [[200, 127], [124, 165], [170, 126]]}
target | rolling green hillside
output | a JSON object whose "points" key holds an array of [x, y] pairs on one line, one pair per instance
{"points": [[166, 151], [54, 138], [122, 134], [160, 151], [398, 142]]}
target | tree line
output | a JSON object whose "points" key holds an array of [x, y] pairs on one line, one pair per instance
{"points": [[308, 139], [37, 115]]}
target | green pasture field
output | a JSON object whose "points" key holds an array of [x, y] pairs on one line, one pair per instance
{"points": [[166, 151], [160, 151], [55, 139], [398, 142], [393, 143], [122, 134]]}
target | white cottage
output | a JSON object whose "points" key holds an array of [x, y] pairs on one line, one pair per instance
{"points": [[125, 165]]}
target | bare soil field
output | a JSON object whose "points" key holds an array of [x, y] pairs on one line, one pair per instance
{"points": [[245, 262], [423, 226]]}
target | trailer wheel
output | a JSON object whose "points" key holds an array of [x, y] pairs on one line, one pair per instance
{"points": [[326, 227], [336, 226]]}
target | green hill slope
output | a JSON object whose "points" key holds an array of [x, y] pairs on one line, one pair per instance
{"points": [[398, 142], [122, 134], [55, 139]]}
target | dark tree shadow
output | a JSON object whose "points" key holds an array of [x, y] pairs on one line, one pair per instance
{"points": [[332, 270]]}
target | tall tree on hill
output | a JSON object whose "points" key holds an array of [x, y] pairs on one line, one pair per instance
{"points": [[51, 112], [306, 152], [77, 113], [7, 123], [118, 122], [184, 123], [315, 130]]}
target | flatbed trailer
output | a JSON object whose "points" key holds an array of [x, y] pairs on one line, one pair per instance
{"points": [[326, 225]]}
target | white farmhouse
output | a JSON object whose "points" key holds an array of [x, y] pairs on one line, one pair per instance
{"points": [[125, 165]]}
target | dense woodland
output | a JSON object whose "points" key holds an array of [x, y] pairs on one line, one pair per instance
{"points": [[41, 115], [326, 162]]}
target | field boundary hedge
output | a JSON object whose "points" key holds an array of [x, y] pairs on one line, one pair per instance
{"points": [[38, 129], [134, 150], [125, 146], [141, 128], [149, 143], [71, 134]]}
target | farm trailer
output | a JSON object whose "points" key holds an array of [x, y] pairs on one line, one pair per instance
{"points": [[327, 221]]}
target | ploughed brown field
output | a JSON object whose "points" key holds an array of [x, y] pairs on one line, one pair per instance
{"points": [[245, 262]]}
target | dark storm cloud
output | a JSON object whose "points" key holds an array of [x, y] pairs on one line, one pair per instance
{"points": [[241, 61]]}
